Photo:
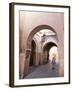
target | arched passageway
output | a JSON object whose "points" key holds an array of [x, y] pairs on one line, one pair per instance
{"points": [[31, 55], [29, 27], [46, 50], [37, 29]]}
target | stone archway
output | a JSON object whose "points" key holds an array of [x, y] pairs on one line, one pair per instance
{"points": [[29, 40], [37, 29], [51, 39], [46, 50]]}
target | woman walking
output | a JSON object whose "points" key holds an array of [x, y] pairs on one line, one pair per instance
{"points": [[53, 63]]}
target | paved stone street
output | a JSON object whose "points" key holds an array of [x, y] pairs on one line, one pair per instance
{"points": [[43, 71]]}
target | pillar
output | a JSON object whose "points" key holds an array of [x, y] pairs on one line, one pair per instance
{"points": [[27, 60], [21, 65]]}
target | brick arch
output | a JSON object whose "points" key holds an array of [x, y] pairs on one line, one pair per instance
{"points": [[37, 29]]}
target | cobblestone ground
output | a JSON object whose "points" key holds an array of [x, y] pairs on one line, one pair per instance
{"points": [[43, 71]]}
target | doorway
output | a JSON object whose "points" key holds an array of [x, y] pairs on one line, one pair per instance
{"points": [[33, 53], [46, 51]]}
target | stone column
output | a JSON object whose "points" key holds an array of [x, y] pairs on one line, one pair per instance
{"points": [[37, 59], [21, 65], [41, 57], [27, 60], [41, 54]]}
